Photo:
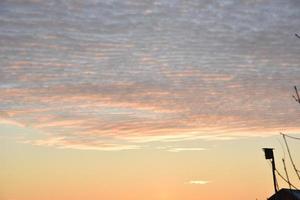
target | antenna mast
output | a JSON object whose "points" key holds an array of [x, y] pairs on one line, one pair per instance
{"points": [[270, 156], [297, 98]]}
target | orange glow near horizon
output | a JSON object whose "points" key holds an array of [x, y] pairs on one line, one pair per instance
{"points": [[236, 168]]}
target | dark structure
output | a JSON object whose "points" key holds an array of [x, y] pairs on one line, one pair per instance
{"points": [[286, 194], [270, 156]]}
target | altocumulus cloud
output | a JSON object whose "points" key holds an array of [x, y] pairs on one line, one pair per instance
{"points": [[125, 73]]}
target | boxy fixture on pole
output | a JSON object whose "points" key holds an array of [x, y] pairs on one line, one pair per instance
{"points": [[269, 155]]}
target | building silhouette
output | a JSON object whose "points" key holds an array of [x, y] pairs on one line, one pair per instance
{"points": [[286, 194]]}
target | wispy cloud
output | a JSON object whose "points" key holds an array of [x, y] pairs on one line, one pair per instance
{"points": [[176, 150], [198, 182], [10, 122], [65, 143]]}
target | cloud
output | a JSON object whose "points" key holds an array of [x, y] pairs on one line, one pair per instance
{"points": [[10, 122], [180, 149], [198, 182], [148, 72], [65, 143]]}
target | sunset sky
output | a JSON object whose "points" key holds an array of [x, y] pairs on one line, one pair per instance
{"points": [[146, 99]]}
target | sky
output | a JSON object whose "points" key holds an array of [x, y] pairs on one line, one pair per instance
{"points": [[152, 99]]}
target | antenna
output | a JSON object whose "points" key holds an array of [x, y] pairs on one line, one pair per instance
{"points": [[286, 173], [270, 156], [291, 159], [297, 98]]}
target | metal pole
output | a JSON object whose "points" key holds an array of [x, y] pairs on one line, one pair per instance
{"points": [[270, 156], [274, 175]]}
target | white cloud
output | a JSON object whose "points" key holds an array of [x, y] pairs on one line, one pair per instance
{"points": [[198, 182], [175, 150]]}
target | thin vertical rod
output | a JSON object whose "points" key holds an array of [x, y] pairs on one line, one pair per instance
{"points": [[274, 176]]}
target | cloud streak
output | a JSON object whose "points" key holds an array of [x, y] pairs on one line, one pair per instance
{"points": [[65, 143], [198, 182], [180, 149]]}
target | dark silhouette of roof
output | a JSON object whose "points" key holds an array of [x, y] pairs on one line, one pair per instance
{"points": [[286, 194]]}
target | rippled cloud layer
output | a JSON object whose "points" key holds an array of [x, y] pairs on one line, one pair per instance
{"points": [[118, 74]]}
